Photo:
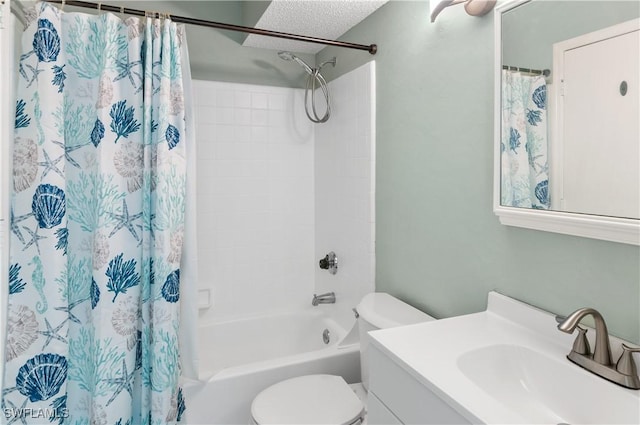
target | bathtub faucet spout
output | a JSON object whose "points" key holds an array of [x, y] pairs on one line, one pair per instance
{"points": [[328, 298]]}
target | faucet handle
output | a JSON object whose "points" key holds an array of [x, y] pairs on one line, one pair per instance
{"points": [[329, 262], [626, 365], [581, 343]]}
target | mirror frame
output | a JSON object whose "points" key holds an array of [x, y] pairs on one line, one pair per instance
{"points": [[614, 229]]}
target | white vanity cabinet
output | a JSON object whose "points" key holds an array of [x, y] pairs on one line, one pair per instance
{"points": [[505, 365], [378, 413], [398, 397]]}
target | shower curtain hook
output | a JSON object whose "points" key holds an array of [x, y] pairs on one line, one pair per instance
{"points": [[99, 7], [64, 2]]}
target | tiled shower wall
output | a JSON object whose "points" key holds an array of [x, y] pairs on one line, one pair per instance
{"points": [[276, 193], [255, 212], [345, 188]]}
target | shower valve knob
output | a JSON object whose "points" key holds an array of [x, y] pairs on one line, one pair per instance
{"points": [[330, 262]]}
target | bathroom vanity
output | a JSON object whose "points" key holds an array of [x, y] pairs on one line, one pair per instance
{"points": [[504, 365], [398, 396]]}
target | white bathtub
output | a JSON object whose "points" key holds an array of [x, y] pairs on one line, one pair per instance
{"points": [[240, 358]]}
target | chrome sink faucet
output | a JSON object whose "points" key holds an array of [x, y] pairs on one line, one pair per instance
{"points": [[328, 298], [624, 372], [602, 352]]}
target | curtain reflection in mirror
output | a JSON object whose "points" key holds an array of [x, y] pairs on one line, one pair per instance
{"points": [[524, 162]]}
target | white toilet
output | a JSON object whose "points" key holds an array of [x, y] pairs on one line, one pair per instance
{"points": [[328, 399]]}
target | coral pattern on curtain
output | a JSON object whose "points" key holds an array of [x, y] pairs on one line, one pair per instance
{"points": [[97, 222], [524, 165]]}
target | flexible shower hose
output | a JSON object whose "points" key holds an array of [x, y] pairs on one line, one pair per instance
{"points": [[313, 79]]}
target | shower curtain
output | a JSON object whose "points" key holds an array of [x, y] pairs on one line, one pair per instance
{"points": [[97, 222], [524, 165]]}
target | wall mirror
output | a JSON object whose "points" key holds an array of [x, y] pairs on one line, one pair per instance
{"points": [[567, 117]]}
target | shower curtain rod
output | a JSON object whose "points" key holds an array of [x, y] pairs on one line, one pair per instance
{"points": [[372, 48], [543, 72]]}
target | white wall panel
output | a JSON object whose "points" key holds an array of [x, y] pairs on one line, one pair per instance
{"points": [[276, 193], [345, 188], [255, 194]]}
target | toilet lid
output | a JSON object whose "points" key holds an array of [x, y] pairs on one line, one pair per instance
{"points": [[310, 399]]}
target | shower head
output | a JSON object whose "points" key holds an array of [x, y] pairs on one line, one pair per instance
{"points": [[314, 80], [288, 56]]}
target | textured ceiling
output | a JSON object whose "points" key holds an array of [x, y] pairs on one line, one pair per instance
{"points": [[317, 18]]}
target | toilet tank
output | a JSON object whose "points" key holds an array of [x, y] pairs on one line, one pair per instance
{"points": [[379, 310]]}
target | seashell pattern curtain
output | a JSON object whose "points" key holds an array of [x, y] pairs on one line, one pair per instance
{"points": [[97, 222], [525, 166]]}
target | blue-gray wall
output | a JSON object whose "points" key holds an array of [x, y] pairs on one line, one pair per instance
{"points": [[526, 46], [438, 244], [218, 55]]}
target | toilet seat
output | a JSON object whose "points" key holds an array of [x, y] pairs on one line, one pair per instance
{"points": [[310, 399]]}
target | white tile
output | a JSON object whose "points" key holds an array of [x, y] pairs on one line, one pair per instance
{"points": [[257, 169], [205, 150], [278, 118], [204, 95], [204, 171], [205, 115], [272, 193], [224, 98], [254, 151], [292, 169], [242, 133], [224, 133], [242, 99], [259, 117], [251, 203], [243, 116], [205, 131], [223, 151], [259, 134], [343, 178], [277, 102], [278, 135], [259, 100], [224, 115], [221, 168], [206, 205]]}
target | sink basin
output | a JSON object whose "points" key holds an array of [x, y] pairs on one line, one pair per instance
{"points": [[546, 389], [508, 365]]}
